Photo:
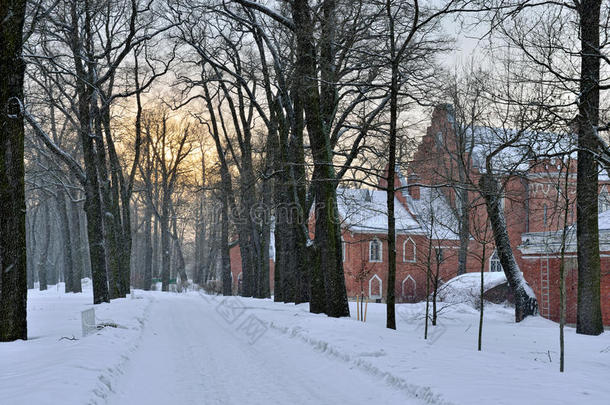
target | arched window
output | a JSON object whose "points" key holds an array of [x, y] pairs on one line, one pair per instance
{"points": [[409, 253], [409, 289], [375, 251], [375, 287], [494, 262]]}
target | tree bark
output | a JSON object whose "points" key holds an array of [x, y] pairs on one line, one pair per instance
{"points": [[43, 265], [67, 243], [464, 228], [332, 300], [93, 203], [165, 244], [78, 260], [227, 288], [13, 263], [31, 243], [148, 248], [394, 89], [589, 314], [525, 299]]}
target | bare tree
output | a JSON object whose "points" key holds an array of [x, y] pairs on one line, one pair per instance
{"points": [[170, 144]]}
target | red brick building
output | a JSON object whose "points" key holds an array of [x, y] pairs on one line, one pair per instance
{"points": [[419, 243], [533, 202]]}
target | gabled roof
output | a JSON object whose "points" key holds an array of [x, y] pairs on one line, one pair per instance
{"points": [[365, 211], [432, 204]]}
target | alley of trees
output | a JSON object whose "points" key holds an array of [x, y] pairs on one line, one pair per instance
{"points": [[143, 139]]}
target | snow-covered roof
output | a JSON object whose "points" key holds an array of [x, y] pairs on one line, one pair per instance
{"points": [[515, 157], [365, 211], [535, 243], [518, 156], [433, 203]]}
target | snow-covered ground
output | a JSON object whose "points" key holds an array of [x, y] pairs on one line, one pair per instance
{"points": [[198, 349]]}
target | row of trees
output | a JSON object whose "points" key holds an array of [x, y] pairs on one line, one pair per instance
{"points": [[278, 104]]}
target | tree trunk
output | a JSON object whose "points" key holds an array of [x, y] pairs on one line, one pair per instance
{"points": [[525, 299], [329, 267], [394, 89], [93, 203], [464, 228], [67, 243], [109, 207], [121, 196], [165, 245], [148, 248], [31, 217], [179, 262], [13, 263], [43, 265], [589, 314], [481, 293], [227, 288], [78, 261]]}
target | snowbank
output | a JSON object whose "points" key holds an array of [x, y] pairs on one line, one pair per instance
{"points": [[519, 363], [466, 288]]}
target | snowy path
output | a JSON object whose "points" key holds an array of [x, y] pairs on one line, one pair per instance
{"points": [[189, 354]]}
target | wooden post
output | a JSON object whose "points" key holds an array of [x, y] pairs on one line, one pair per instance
{"points": [[365, 309], [362, 307]]}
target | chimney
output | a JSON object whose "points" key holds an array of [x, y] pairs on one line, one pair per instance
{"points": [[412, 186]]}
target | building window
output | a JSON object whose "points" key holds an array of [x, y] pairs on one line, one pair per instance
{"points": [[375, 250], [603, 202], [439, 254], [409, 289], [409, 251], [546, 209], [494, 262], [343, 247], [375, 287], [439, 139]]}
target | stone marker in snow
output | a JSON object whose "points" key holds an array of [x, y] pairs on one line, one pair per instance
{"points": [[88, 321]]}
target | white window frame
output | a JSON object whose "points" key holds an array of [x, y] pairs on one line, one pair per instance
{"points": [[343, 249], [402, 286], [375, 276], [404, 251], [376, 240], [492, 260]]}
